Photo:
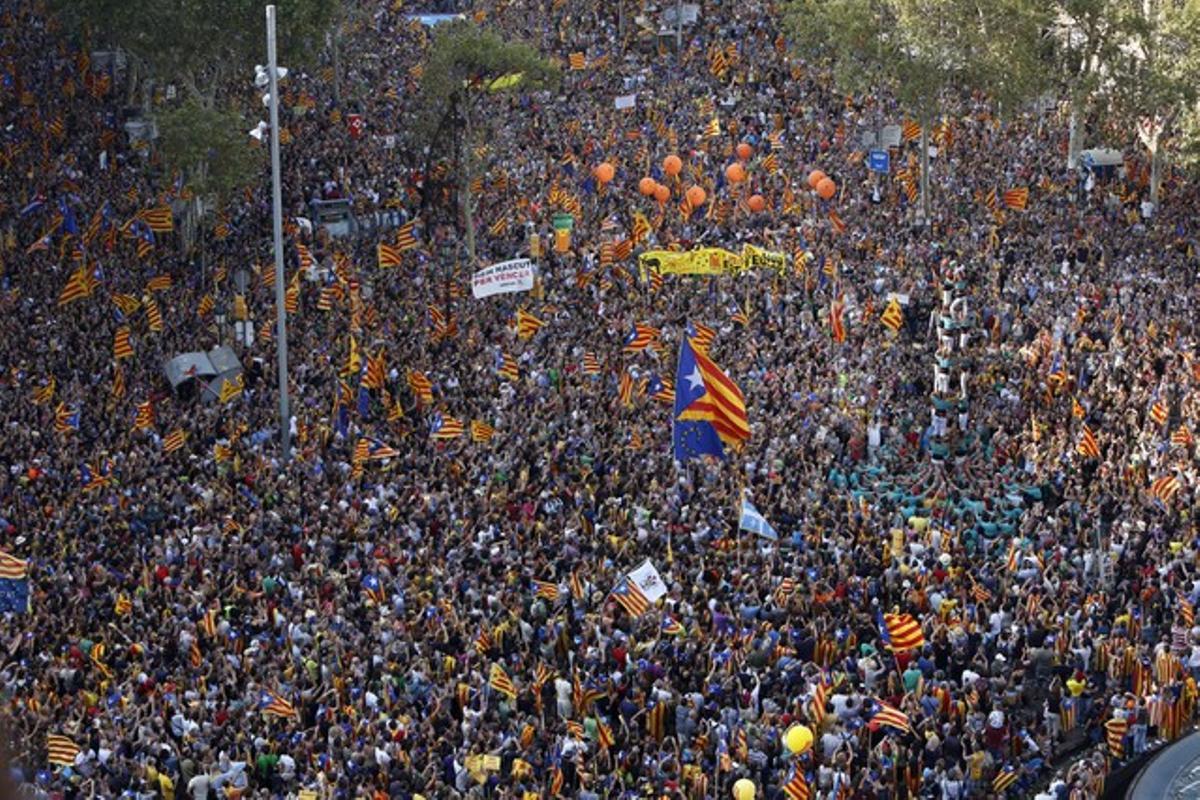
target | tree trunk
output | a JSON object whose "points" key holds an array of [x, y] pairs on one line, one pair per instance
{"points": [[1156, 165], [193, 220], [1073, 143], [464, 172], [427, 181], [133, 77], [337, 65], [189, 224], [925, 215], [204, 278]]}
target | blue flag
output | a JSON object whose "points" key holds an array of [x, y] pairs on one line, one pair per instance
{"points": [[14, 595], [755, 522], [364, 401], [341, 420], [692, 438], [70, 224]]}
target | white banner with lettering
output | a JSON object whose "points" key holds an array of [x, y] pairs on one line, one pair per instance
{"points": [[502, 278]]}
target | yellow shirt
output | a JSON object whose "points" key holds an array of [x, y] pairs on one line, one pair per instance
{"points": [[166, 786], [975, 766]]}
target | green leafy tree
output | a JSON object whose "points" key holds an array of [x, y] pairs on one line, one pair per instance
{"points": [[201, 45], [210, 145], [1085, 37], [459, 79], [1155, 78], [919, 50]]}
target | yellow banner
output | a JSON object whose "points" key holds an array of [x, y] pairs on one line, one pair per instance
{"points": [[757, 258], [506, 81], [703, 261]]}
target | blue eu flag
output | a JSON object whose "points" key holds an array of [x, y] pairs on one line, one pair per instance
{"points": [[692, 437], [14, 595]]}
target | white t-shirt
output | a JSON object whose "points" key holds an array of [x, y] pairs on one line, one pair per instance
{"points": [[198, 787], [830, 742], [840, 704]]}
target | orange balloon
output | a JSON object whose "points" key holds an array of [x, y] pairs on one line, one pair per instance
{"points": [[604, 172], [647, 185], [815, 177], [662, 193], [826, 188], [672, 165], [744, 151], [696, 196], [757, 203], [735, 172]]}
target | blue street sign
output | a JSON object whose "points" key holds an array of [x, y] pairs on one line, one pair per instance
{"points": [[879, 161]]}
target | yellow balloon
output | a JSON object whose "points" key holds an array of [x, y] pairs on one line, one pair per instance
{"points": [[744, 789], [798, 738]]}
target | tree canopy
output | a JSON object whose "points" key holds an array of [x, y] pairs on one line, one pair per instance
{"points": [[201, 44], [464, 57], [916, 49], [210, 146], [466, 64], [1155, 75]]}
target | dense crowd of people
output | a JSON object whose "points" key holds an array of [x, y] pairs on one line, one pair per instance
{"points": [[208, 619]]}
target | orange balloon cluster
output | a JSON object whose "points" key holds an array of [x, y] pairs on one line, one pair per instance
{"points": [[648, 187], [735, 172], [822, 184], [604, 172]]}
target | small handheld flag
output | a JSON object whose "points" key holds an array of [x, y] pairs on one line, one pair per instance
{"points": [[900, 632], [61, 751], [893, 316], [753, 521]]}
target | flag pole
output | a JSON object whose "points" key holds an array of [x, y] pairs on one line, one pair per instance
{"points": [[738, 504]]}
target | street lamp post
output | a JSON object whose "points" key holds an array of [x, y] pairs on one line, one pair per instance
{"points": [[285, 418], [679, 28]]}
